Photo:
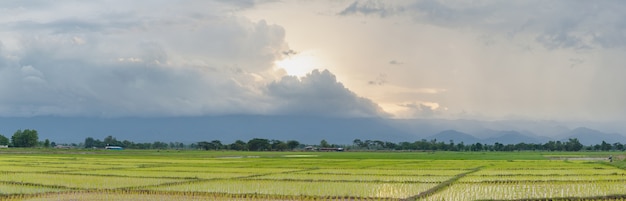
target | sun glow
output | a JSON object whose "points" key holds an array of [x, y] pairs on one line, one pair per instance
{"points": [[299, 64]]}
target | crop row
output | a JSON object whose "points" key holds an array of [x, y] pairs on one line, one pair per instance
{"points": [[344, 189], [82, 181], [499, 172], [81, 178], [528, 190], [540, 178], [14, 188], [380, 178]]}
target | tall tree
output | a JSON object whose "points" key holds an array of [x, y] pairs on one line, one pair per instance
{"points": [[204, 145], [4, 140], [278, 145], [110, 140], [357, 142], [292, 144], [573, 145], [324, 144], [159, 145], [90, 142], [26, 138], [238, 145], [258, 144], [216, 144]]}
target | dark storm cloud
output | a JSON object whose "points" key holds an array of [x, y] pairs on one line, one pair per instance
{"points": [[319, 93]]}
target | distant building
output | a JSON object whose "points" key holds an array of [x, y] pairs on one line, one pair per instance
{"points": [[114, 148], [331, 149], [311, 148], [4, 146]]}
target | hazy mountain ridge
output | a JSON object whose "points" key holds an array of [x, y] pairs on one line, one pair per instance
{"points": [[454, 136], [307, 129], [192, 129], [589, 136]]}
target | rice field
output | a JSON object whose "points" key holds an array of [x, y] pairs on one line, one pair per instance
{"points": [[283, 176]]}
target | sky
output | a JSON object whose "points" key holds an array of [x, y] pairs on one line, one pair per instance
{"points": [[489, 60]]}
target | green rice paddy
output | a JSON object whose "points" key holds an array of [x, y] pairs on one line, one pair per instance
{"points": [[212, 175]]}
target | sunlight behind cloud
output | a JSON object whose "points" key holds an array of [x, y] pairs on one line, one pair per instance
{"points": [[299, 64]]}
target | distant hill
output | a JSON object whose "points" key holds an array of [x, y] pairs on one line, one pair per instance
{"points": [[306, 129], [513, 137], [192, 129], [588, 136], [456, 136]]}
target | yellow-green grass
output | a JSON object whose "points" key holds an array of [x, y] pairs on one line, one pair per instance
{"points": [[417, 171], [296, 163], [354, 177], [83, 166], [548, 172], [419, 164], [106, 196], [269, 187], [542, 178], [209, 175], [11, 189], [528, 190], [171, 196], [162, 174], [180, 168], [82, 181], [26, 168], [541, 165]]}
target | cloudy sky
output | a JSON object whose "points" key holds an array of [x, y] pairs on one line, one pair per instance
{"points": [[549, 60]]}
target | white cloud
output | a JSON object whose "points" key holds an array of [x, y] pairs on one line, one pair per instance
{"points": [[555, 24], [556, 59], [537, 59], [421, 110], [154, 59]]}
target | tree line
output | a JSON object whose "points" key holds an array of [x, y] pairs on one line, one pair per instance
{"points": [[434, 145], [256, 144], [260, 144], [29, 138], [24, 138], [572, 144], [90, 142]]}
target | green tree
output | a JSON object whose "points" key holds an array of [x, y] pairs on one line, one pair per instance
{"points": [[358, 143], [127, 144], [4, 140], [26, 138], [217, 145], [213, 145], [90, 142], [238, 145], [204, 145], [110, 140], [605, 146], [618, 146], [258, 144], [278, 145], [292, 144], [46, 143], [573, 145], [324, 144], [159, 145]]}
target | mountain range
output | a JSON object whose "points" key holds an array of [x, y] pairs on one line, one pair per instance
{"points": [[307, 129]]}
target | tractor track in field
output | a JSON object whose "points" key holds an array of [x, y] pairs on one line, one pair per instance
{"points": [[441, 186]]}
